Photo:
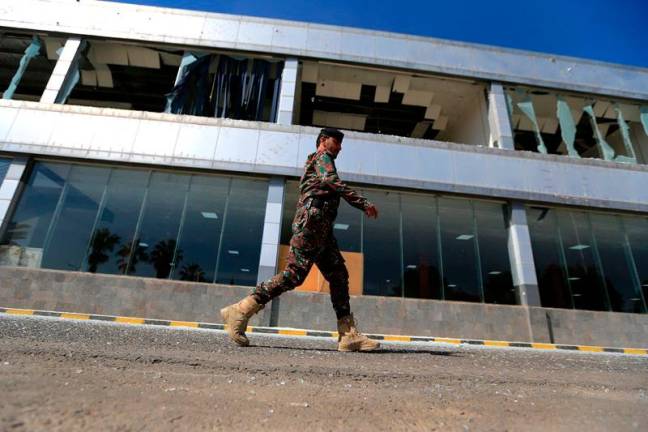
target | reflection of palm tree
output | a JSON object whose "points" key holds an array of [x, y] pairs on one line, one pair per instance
{"points": [[192, 272], [162, 257], [102, 242], [124, 254]]}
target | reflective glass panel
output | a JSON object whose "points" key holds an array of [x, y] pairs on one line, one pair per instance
{"points": [[548, 257], [583, 269], [618, 268], [238, 262], [155, 245], [31, 221], [493, 253], [291, 194], [636, 229], [4, 167], [382, 246], [113, 236], [421, 260], [347, 228], [461, 275], [69, 238], [201, 229]]}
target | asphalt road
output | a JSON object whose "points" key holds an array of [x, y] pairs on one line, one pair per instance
{"points": [[65, 375]]}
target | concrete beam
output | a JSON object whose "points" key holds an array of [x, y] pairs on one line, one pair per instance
{"points": [[521, 256], [63, 72], [288, 92], [498, 119]]}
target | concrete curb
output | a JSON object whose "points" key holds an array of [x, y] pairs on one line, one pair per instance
{"points": [[317, 333]]}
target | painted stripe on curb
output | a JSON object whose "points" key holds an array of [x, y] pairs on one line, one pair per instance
{"points": [[318, 333]]}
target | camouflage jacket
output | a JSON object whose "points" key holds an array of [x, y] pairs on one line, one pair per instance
{"points": [[320, 180]]}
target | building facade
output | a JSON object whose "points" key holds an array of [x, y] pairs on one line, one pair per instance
{"points": [[166, 144]]}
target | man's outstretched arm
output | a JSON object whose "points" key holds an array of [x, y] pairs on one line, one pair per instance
{"points": [[326, 171]]}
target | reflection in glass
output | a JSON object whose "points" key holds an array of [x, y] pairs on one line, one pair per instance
{"points": [[493, 253], [110, 247], [31, 221], [68, 240], [160, 223], [597, 261], [583, 274], [238, 261], [4, 167], [617, 264], [461, 273], [636, 230], [138, 222], [201, 229], [382, 246], [421, 259], [547, 254]]}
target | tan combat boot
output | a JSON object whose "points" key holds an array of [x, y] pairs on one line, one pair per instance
{"points": [[350, 339], [236, 316]]}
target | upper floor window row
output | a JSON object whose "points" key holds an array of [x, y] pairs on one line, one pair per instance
{"points": [[577, 125], [246, 86]]}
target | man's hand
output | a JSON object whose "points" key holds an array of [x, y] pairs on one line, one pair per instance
{"points": [[371, 211]]}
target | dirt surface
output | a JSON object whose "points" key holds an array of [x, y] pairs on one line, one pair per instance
{"points": [[64, 375]]}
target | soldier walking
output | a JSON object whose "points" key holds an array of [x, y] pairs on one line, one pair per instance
{"points": [[312, 242]]}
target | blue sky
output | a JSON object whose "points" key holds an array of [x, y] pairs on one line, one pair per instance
{"points": [[606, 30]]}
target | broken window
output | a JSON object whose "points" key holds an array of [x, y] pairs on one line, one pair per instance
{"points": [[26, 63], [577, 125], [124, 76], [219, 85], [385, 102], [167, 79]]}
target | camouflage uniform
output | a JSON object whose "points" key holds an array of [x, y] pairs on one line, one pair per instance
{"points": [[312, 239]]}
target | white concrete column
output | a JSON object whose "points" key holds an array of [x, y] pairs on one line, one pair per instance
{"points": [[63, 71], [521, 257], [10, 189], [270, 244], [271, 229], [498, 119], [287, 92]]}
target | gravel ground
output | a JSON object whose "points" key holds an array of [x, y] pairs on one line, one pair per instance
{"points": [[66, 375]]}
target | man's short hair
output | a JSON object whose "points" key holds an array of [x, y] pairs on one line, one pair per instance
{"points": [[329, 132]]}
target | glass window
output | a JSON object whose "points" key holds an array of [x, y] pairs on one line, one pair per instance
{"points": [[583, 271], [113, 237], [492, 237], [421, 259], [67, 242], [617, 264], [291, 194], [547, 255], [238, 262], [382, 246], [4, 167], [155, 243], [348, 228], [636, 229], [461, 273], [30, 223], [201, 229], [588, 260]]}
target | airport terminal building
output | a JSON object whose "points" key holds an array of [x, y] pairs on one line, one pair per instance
{"points": [[149, 162]]}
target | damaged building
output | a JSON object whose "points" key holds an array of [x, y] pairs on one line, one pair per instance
{"points": [[150, 158]]}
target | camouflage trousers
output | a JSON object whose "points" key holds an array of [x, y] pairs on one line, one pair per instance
{"points": [[312, 242]]}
